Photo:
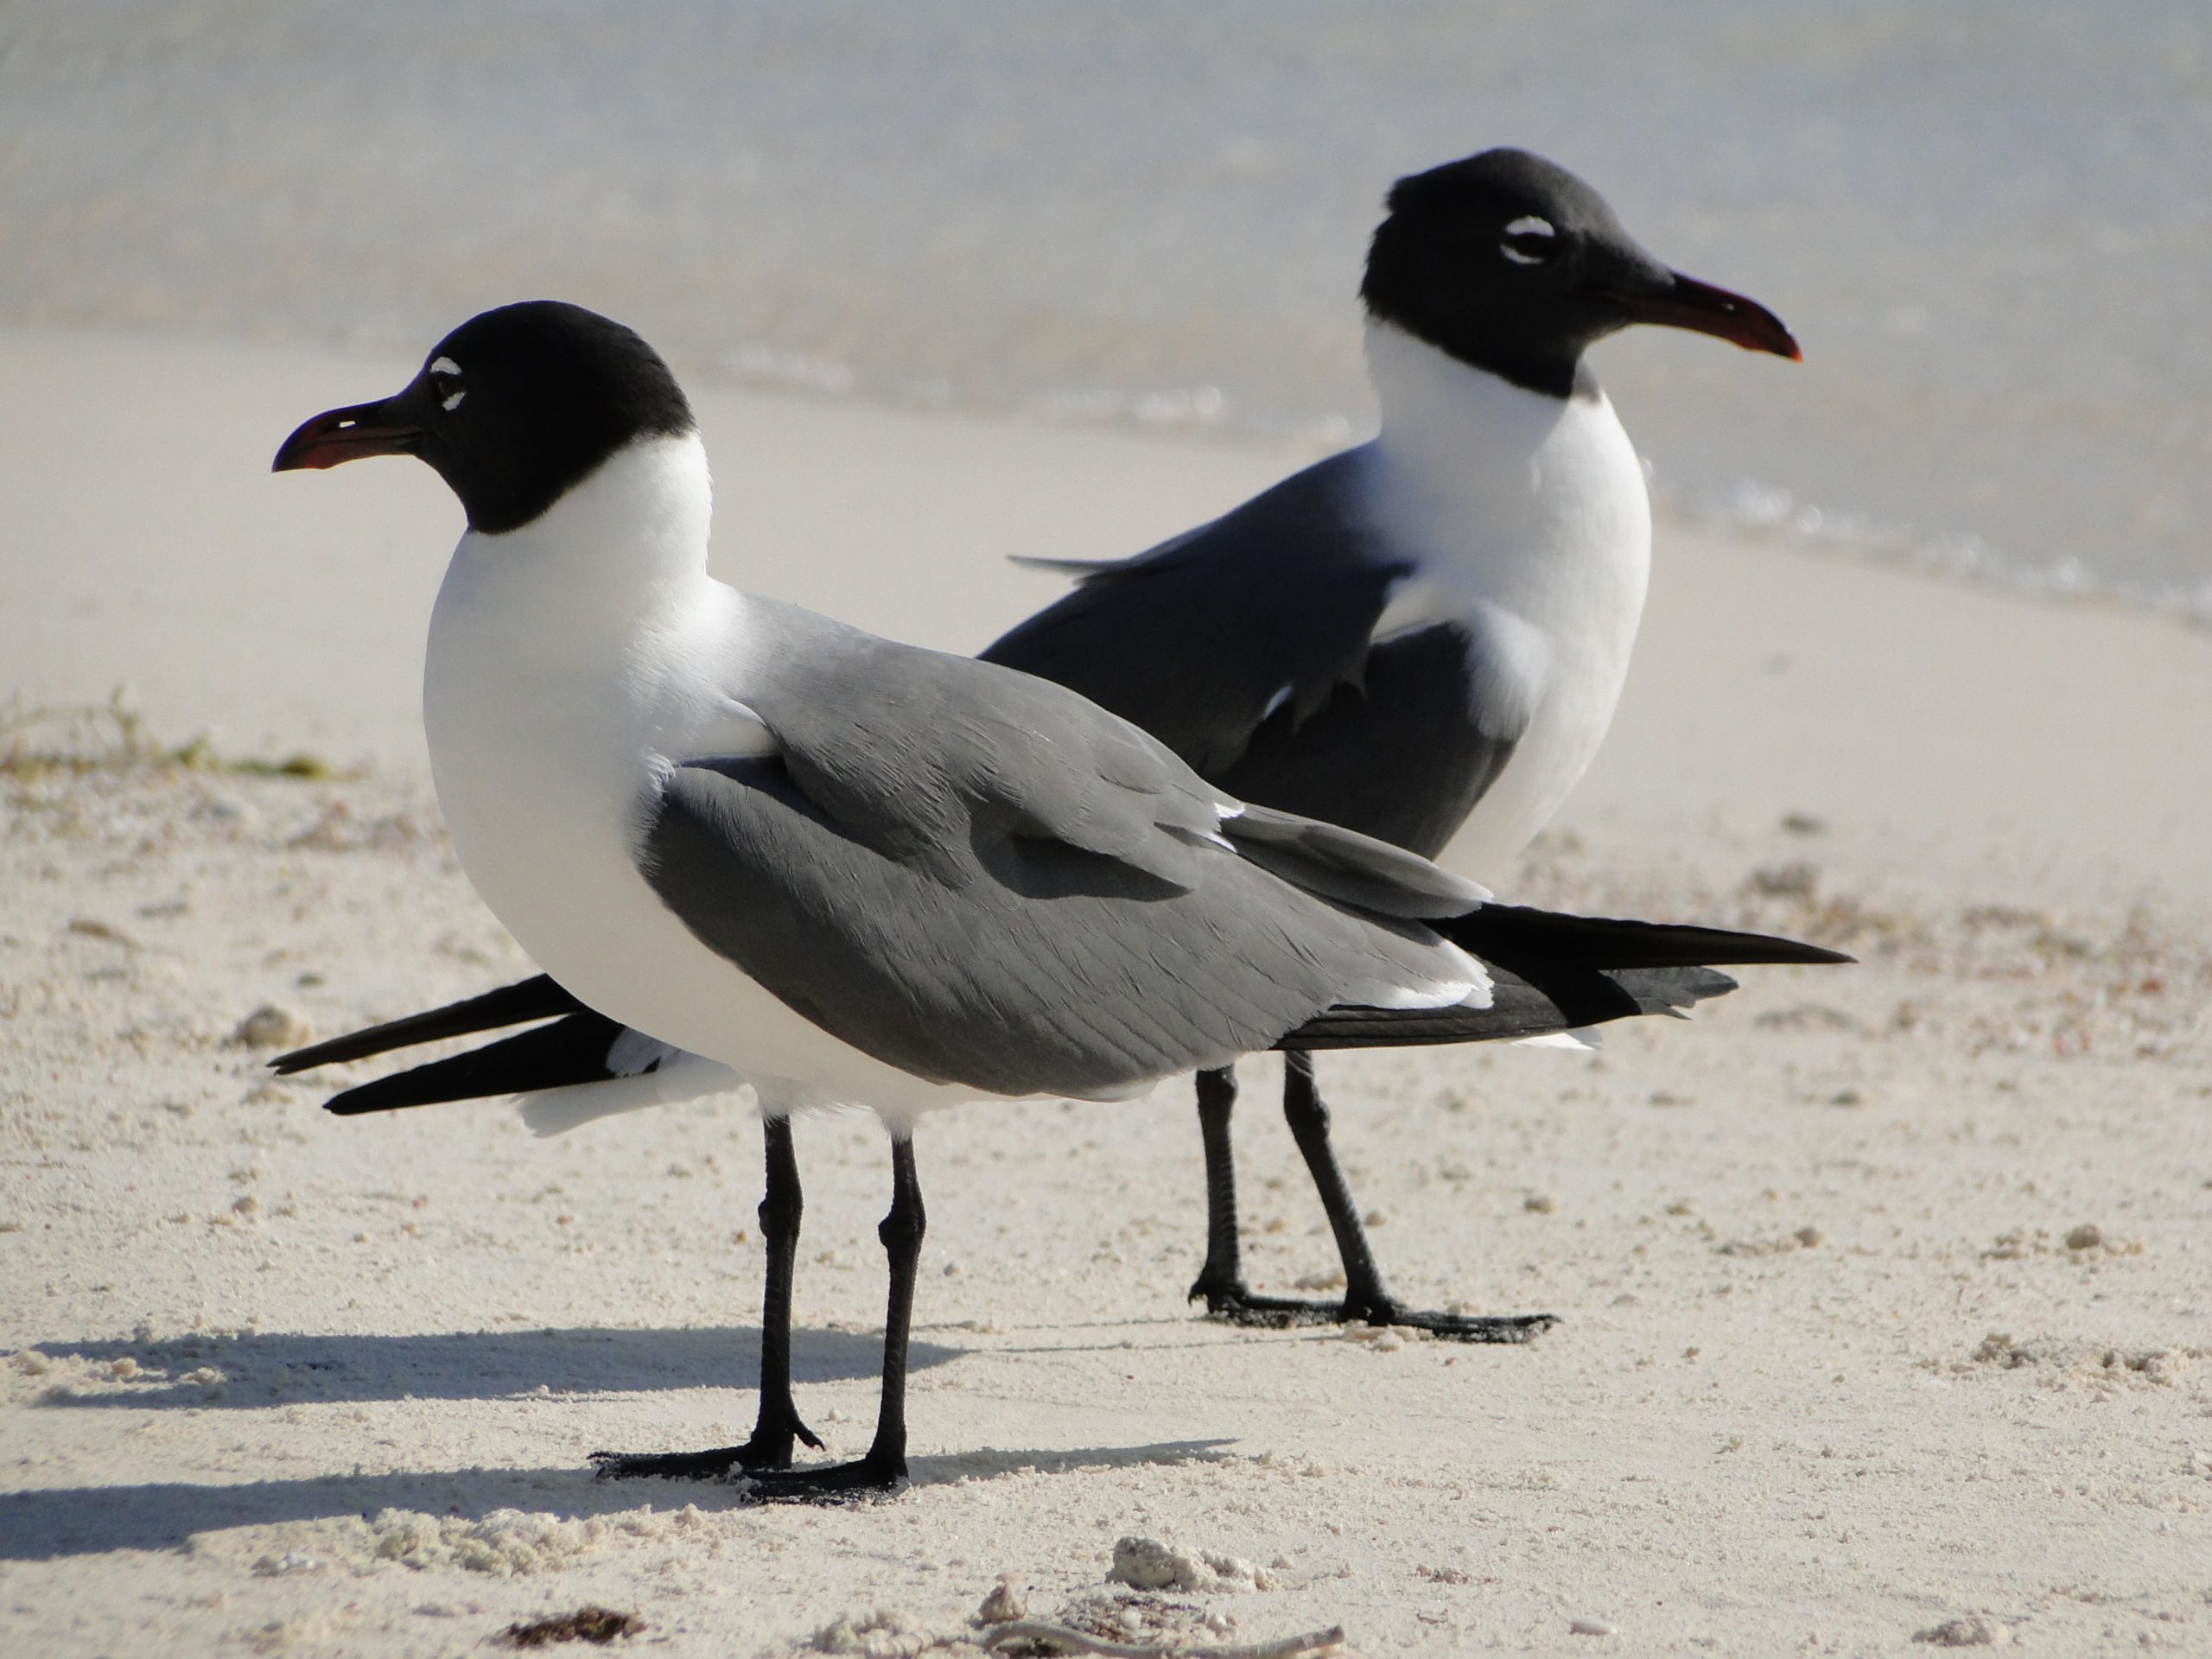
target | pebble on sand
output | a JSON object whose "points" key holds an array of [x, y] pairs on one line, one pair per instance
{"points": [[271, 1027], [1005, 1604], [1149, 1564], [1976, 1630]]}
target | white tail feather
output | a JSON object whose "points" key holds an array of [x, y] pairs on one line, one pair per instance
{"points": [[682, 1076]]}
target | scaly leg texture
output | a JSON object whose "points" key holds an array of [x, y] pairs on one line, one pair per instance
{"points": [[1365, 1299], [777, 1425]]}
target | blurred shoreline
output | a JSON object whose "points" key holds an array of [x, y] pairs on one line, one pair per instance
{"points": [[1979, 219]]}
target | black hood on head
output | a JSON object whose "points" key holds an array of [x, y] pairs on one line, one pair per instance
{"points": [[1510, 263], [514, 409]]}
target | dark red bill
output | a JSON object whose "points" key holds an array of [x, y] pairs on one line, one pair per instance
{"points": [[344, 435], [1709, 310]]}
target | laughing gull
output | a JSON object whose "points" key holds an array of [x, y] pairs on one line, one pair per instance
{"points": [[858, 872], [1421, 639]]}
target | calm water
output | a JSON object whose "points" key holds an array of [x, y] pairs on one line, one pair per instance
{"points": [[1990, 224]]}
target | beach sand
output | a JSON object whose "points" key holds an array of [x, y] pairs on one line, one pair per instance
{"points": [[1886, 1290]]}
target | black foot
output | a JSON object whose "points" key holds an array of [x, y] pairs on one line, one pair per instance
{"points": [[1235, 1305], [829, 1482], [1455, 1327], [672, 1465], [770, 1448]]}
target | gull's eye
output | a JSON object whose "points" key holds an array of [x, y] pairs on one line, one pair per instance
{"points": [[445, 383], [1529, 240]]}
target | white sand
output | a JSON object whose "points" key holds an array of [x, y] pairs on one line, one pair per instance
{"points": [[277, 1380]]}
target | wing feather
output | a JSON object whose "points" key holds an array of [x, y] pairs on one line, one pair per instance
{"points": [[980, 878], [1262, 649]]}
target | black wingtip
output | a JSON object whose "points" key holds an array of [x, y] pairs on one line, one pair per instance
{"points": [[1520, 937], [306, 1060], [538, 998], [572, 1050], [1548, 1000], [371, 1098]]}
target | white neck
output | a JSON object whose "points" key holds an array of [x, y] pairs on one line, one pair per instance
{"points": [[576, 624], [1430, 401], [1528, 522], [1517, 491], [618, 542]]}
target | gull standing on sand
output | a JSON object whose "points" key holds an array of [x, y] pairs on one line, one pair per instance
{"points": [[859, 871], [1422, 639]]}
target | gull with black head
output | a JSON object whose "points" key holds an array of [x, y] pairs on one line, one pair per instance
{"points": [[1422, 637], [857, 872]]}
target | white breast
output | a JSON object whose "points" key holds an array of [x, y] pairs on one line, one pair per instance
{"points": [[569, 663], [1529, 520]]}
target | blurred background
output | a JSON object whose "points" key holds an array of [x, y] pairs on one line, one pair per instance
{"points": [[1989, 224]]}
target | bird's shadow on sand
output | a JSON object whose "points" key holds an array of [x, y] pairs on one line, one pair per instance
{"points": [[263, 1369], [38, 1526]]}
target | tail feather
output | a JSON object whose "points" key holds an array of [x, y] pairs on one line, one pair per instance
{"points": [[1557, 999], [674, 1076], [541, 998], [1079, 569]]}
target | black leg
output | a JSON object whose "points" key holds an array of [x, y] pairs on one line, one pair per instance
{"points": [[778, 1425], [1221, 1281], [1307, 1114], [883, 1466], [1364, 1300]]}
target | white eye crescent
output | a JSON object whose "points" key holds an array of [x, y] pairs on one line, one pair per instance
{"points": [[445, 368], [1529, 240]]}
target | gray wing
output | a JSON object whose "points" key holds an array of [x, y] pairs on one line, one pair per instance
{"points": [[1407, 754], [1246, 645], [1194, 640], [978, 878]]}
